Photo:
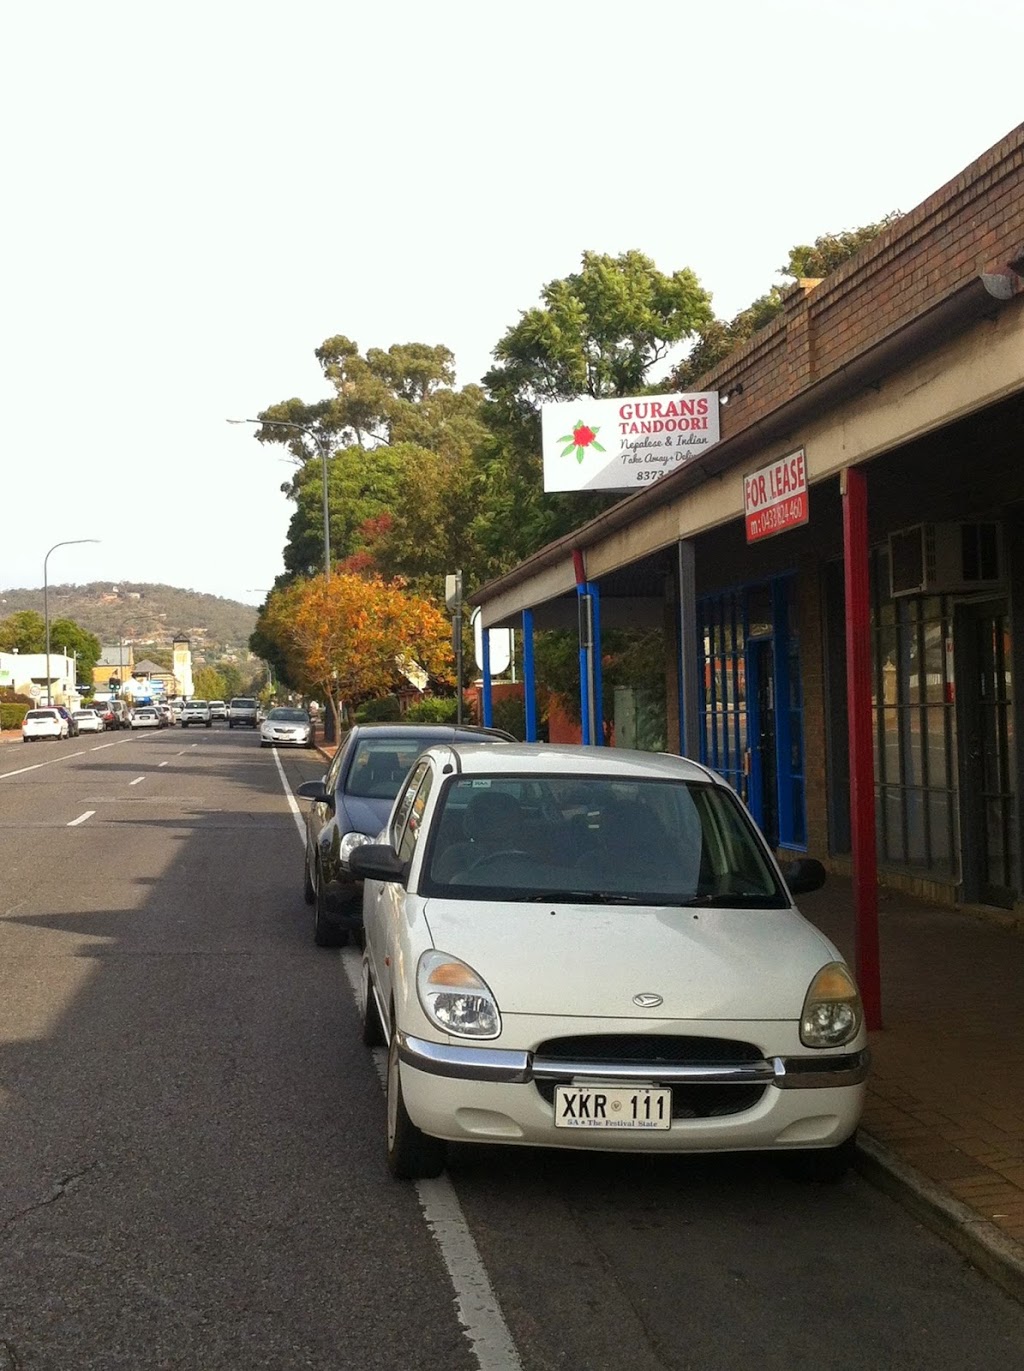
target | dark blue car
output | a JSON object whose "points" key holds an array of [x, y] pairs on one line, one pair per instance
{"points": [[351, 805]]}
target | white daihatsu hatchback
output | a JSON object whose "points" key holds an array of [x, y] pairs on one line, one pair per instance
{"points": [[594, 948]]}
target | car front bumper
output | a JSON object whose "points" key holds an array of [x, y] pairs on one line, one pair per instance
{"points": [[464, 1092]]}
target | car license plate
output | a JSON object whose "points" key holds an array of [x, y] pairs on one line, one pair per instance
{"points": [[614, 1106]]}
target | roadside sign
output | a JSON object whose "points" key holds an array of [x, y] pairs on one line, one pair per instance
{"points": [[775, 498]]}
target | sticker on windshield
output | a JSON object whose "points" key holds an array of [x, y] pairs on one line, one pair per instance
{"points": [[480, 785]]}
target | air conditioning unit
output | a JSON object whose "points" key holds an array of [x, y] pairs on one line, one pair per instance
{"points": [[945, 559]]}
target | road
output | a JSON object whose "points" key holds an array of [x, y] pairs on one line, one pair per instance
{"points": [[192, 1159]]}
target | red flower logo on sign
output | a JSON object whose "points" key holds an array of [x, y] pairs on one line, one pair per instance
{"points": [[581, 437]]}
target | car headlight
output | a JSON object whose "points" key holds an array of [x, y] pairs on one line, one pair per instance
{"points": [[349, 842], [832, 1013], [454, 997]]}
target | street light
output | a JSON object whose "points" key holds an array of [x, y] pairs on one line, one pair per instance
{"points": [[46, 602], [324, 454]]}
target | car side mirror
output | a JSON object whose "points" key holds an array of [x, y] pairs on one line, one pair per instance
{"points": [[378, 861], [805, 875], [315, 790]]}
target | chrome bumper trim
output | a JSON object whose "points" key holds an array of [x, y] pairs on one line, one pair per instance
{"points": [[470, 1063]]}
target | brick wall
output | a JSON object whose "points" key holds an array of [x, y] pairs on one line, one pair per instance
{"points": [[971, 225]]}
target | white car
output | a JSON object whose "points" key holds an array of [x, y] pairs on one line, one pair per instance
{"points": [[147, 717], [286, 727], [595, 948], [218, 709], [88, 721], [196, 712], [43, 723]]}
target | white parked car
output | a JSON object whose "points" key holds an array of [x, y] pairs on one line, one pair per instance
{"points": [[196, 712], [595, 948], [43, 723], [146, 717], [286, 727], [218, 709], [88, 721]]}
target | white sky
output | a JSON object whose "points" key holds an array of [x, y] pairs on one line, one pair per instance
{"points": [[196, 195]]}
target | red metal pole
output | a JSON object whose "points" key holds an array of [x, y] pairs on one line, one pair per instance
{"points": [[862, 760]]}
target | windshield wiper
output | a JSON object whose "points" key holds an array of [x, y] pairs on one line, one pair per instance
{"points": [[583, 897], [734, 899]]}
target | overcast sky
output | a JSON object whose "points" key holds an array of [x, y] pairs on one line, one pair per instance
{"points": [[196, 195]]}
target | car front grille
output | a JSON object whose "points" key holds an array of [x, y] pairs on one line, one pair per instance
{"points": [[647, 1051]]}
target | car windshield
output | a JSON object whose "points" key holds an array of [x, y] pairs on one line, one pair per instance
{"points": [[196, 704], [597, 840], [288, 716], [84, 714], [41, 714], [380, 765]]}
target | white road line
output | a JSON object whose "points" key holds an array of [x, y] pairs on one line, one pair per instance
{"points": [[476, 1303], [137, 780], [163, 763], [81, 818], [64, 756]]}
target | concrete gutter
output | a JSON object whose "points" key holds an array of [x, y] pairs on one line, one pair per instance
{"points": [[982, 1243]]}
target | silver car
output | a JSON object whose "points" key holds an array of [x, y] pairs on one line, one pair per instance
{"points": [[286, 728]]}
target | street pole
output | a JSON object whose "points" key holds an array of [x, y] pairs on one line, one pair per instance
{"points": [[321, 443], [46, 603]]}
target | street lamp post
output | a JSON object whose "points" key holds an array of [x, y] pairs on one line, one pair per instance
{"points": [[324, 454], [46, 603]]}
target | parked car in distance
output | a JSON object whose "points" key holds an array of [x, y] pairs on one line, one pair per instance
{"points": [[196, 712], [284, 727], [351, 805], [121, 713], [69, 719], [166, 715], [146, 717], [611, 959], [43, 723], [88, 720], [218, 709], [102, 708], [242, 711]]}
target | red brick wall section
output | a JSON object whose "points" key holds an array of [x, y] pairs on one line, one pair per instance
{"points": [[973, 224]]}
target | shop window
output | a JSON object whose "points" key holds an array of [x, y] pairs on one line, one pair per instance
{"points": [[914, 726]]}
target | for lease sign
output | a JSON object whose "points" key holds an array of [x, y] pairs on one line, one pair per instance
{"points": [[775, 498]]}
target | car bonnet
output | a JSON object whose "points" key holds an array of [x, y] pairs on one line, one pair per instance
{"points": [[567, 959]]}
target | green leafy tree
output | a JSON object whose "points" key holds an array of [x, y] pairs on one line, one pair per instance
{"points": [[66, 635], [805, 262], [24, 631], [208, 684], [598, 332]]}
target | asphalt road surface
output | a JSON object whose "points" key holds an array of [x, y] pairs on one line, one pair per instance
{"points": [[191, 1140]]}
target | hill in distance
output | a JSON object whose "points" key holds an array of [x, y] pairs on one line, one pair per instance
{"points": [[140, 612]]}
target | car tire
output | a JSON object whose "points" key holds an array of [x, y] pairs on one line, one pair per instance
{"points": [[184, 725], [820, 1165], [308, 888], [325, 932], [371, 1028], [412, 1155], [209, 723]]}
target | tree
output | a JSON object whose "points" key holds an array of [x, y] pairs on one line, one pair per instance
{"points": [[805, 262], [391, 411], [208, 684], [597, 332], [68, 636], [347, 635], [24, 631]]}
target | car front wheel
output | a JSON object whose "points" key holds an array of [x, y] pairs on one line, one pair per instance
{"points": [[326, 933], [412, 1155]]}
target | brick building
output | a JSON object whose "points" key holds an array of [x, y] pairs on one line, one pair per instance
{"points": [[900, 380]]}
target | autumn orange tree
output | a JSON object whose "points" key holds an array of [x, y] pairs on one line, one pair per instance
{"points": [[348, 637]]}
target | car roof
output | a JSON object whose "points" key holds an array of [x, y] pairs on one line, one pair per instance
{"points": [[576, 760], [438, 733]]}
